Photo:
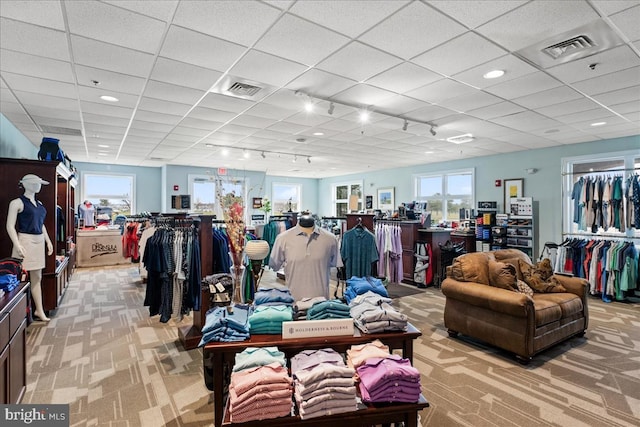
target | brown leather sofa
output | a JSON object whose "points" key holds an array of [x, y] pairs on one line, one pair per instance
{"points": [[507, 318]]}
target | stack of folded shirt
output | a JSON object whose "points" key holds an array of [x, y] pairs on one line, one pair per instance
{"points": [[373, 313], [359, 285], [301, 307], [389, 379], [8, 282], [323, 384], [260, 386], [267, 319], [332, 309], [221, 325], [273, 296], [359, 353]]}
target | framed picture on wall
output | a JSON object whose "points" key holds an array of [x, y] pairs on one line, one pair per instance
{"points": [[512, 188], [386, 199], [257, 202], [368, 202]]}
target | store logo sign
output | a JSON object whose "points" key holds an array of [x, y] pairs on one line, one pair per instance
{"points": [[98, 249], [34, 415]]}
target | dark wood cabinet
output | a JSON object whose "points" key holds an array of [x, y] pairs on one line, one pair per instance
{"points": [[13, 344], [435, 237], [467, 239]]}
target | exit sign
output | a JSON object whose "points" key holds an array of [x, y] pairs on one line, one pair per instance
{"points": [[222, 171]]}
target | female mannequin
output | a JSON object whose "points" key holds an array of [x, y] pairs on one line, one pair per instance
{"points": [[25, 226]]}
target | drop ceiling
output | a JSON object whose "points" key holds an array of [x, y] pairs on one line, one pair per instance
{"points": [[168, 63]]}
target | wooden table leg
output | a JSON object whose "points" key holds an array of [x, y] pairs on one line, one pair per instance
{"points": [[218, 387]]}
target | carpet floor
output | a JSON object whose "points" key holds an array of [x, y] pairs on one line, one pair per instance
{"points": [[115, 366]]}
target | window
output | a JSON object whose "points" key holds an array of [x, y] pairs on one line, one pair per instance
{"points": [[347, 198], [286, 197], [111, 194], [446, 193], [203, 193]]}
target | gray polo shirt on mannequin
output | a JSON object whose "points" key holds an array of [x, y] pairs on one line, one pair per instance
{"points": [[307, 260]]}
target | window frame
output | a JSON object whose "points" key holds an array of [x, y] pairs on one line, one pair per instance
{"points": [[87, 196], [349, 184], [444, 197], [287, 184], [217, 211]]}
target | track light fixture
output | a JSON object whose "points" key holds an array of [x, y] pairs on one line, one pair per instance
{"points": [[308, 159], [295, 159], [263, 155], [405, 125], [433, 130], [331, 108]]}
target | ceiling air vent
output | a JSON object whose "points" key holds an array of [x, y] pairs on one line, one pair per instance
{"points": [[55, 130], [572, 45], [568, 47], [242, 88]]}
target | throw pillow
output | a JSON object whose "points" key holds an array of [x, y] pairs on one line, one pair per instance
{"points": [[540, 277], [523, 288], [502, 275]]}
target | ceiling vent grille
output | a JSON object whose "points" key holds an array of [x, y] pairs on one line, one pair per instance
{"points": [[56, 130], [243, 89], [570, 46]]}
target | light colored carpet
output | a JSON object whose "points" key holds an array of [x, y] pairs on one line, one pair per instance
{"points": [[116, 366]]}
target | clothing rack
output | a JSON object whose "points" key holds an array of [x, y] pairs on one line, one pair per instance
{"points": [[601, 171], [604, 236]]}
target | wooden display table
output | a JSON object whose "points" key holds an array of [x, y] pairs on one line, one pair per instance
{"points": [[223, 354]]}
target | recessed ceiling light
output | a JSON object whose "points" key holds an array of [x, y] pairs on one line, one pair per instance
{"points": [[225, 151], [109, 98], [102, 154], [428, 152], [318, 133], [103, 146], [493, 74], [364, 116], [461, 139], [598, 124]]}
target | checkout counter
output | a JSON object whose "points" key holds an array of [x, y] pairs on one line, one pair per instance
{"points": [[100, 247]]}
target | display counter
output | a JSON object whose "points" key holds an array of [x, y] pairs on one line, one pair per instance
{"points": [[97, 248]]}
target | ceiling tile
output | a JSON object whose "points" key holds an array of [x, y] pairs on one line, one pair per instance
{"points": [[104, 120], [470, 101], [596, 113], [504, 108], [38, 99], [628, 21], [609, 61], [210, 114], [36, 85], [512, 66], [106, 110], [628, 94], [32, 39], [536, 21], [610, 82], [155, 122], [184, 133], [192, 122], [182, 74], [159, 9], [577, 105], [627, 107], [35, 66], [400, 105], [441, 90], [45, 14], [290, 128], [459, 54], [548, 97], [300, 41], [106, 56], [525, 121], [609, 7], [412, 30], [252, 121], [239, 22], [196, 48], [268, 111], [169, 92], [358, 62], [524, 85], [363, 95], [93, 94], [264, 68], [114, 25], [320, 83], [338, 15], [225, 103], [161, 106], [108, 80], [404, 77], [429, 113], [468, 12]]}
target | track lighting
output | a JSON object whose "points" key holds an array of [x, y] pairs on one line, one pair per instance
{"points": [[364, 116], [245, 154], [263, 155], [295, 159], [308, 159], [405, 125], [433, 130], [331, 108]]}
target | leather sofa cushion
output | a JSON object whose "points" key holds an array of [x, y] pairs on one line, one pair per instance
{"points": [[546, 311], [570, 304], [502, 275], [471, 267], [513, 257]]}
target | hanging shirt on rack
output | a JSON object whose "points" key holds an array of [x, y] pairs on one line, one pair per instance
{"points": [[358, 251]]}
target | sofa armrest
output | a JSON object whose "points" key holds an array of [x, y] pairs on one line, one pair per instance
{"points": [[489, 297], [575, 285]]}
